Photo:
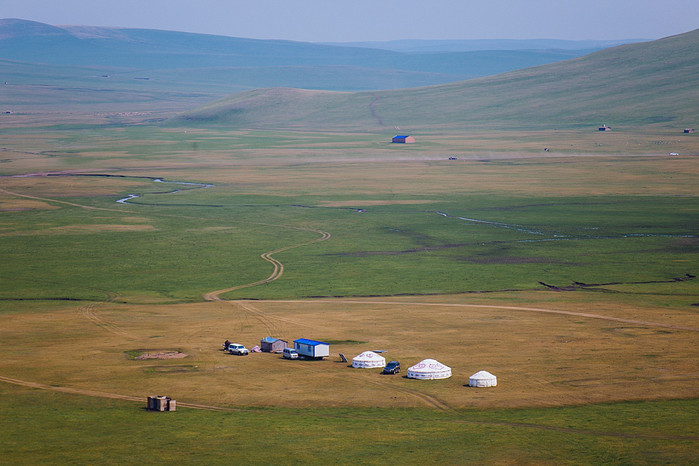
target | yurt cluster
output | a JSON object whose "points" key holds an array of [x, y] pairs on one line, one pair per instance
{"points": [[427, 369], [303, 348]]}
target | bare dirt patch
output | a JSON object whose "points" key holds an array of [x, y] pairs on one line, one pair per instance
{"points": [[162, 355]]}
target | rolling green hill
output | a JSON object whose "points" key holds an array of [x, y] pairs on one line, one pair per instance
{"points": [[635, 84]]}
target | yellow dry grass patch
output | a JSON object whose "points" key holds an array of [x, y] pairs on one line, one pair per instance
{"points": [[81, 229], [501, 174], [70, 186], [97, 228], [135, 219], [371, 202], [541, 358], [13, 204], [213, 229]]}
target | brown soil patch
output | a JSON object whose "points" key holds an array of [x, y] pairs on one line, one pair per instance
{"points": [[162, 355]]}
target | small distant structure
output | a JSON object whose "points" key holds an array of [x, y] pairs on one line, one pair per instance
{"points": [[482, 379], [605, 128], [273, 345], [403, 139], [311, 349], [368, 359], [161, 403], [688, 130], [429, 369]]}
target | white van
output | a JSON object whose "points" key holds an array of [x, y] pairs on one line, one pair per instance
{"points": [[290, 353]]}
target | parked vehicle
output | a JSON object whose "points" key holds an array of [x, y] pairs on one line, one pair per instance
{"points": [[237, 348], [290, 353], [392, 367]]}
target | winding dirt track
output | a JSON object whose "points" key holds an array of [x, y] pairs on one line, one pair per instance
{"points": [[490, 306], [278, 266]]}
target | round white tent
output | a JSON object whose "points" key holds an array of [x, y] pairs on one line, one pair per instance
{"points": [[368, 359], [429, 369], [482, 379]]}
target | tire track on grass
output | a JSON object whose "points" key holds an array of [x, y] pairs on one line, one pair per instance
{"points": [[430, 400], [88, 311], [270, 325]]}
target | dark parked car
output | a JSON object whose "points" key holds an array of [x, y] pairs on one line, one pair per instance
{"points": [[392, 367]]}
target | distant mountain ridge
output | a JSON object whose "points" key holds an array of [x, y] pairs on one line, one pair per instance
{"points": [[472, 45], [327, 67]]}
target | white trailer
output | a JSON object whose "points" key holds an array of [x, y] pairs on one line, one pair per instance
{"points": [[311, 349]]}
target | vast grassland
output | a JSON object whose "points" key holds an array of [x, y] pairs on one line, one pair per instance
{"points": [[569, 274]]}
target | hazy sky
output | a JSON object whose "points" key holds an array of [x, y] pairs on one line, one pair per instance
{"points": [[360, 20]]}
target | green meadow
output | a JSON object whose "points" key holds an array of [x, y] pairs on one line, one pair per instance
{"points": [[401, 223], [85, 430]]}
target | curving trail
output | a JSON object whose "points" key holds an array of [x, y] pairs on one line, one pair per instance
{"points": [[278, 270], [56, 201], [491, 306]]}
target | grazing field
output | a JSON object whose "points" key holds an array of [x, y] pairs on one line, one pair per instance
{"points": [[568, 274], [85, 430]]}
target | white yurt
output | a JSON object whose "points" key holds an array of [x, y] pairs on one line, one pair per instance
{"points": [[482, 379], [368, 359], [429, 369]]}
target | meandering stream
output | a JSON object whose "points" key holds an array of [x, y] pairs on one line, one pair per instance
{"points": [[130, 197]]}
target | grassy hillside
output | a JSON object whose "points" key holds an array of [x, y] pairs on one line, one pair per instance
{"points": [[636, 84]]}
